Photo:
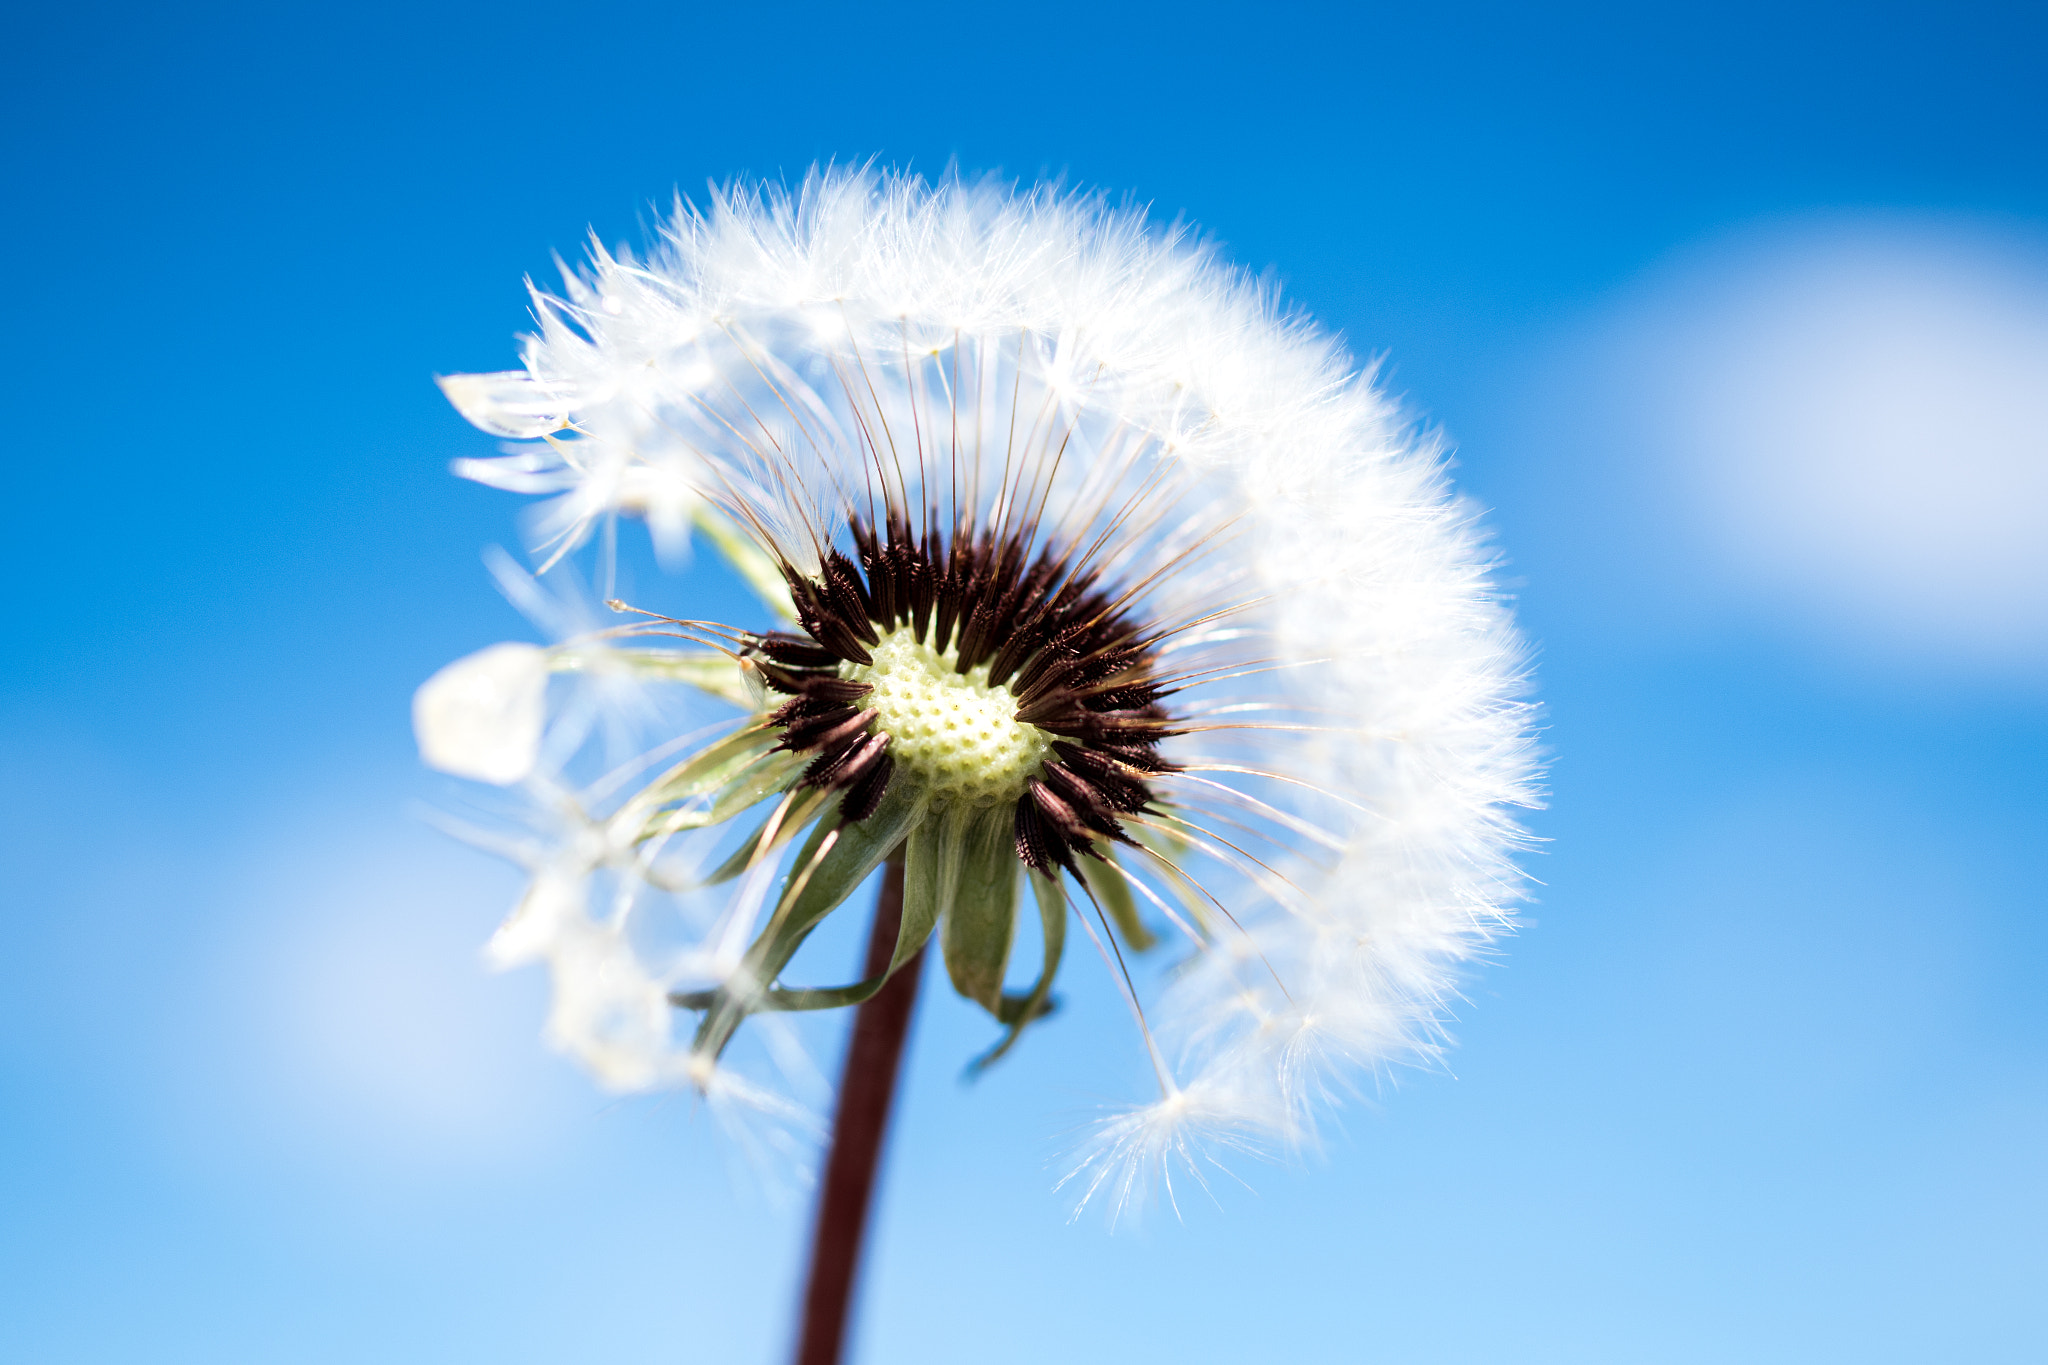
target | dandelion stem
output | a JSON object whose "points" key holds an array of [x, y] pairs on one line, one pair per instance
{"points": [[867, 1088]]}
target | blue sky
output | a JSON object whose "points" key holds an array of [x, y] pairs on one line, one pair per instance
{"points": [[1736, 315]]}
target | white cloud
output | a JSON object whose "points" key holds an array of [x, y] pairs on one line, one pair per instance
{"points": [[1852, 416]]}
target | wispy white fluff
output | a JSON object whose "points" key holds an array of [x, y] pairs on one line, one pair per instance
{"points": [[1357, 830], [482, 715]]}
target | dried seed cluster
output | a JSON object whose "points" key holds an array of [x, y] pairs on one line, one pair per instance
{"points": [[978, 670]]}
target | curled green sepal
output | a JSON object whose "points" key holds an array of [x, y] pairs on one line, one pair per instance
{"points": [[1018, 1011], [769, 775], [803, 808], [711, 768], [914, 926], [798, 998], [789, 998], [833, 861], [964, 862]]}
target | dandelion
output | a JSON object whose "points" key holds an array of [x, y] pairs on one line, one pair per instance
{"points": [[1106, 604]]}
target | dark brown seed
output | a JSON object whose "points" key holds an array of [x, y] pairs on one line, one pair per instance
{"points": [[865, 795], [1086, 802], [834, 688], [1078, 669], [1058, 814], [794, 650], [839, 765], [1037, 847]]}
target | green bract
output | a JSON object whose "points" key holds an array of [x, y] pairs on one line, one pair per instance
{"points": [[962, 761]]}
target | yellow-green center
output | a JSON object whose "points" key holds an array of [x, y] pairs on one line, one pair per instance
{"points": [[952, 733]]}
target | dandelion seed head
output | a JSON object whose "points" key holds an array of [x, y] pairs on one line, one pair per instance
{"points": [[1097, 584]]}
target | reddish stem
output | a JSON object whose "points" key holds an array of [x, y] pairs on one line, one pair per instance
{"points": [[867, 1087]]}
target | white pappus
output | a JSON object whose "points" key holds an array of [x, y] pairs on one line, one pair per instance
{"points": [[1098, 585]]}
